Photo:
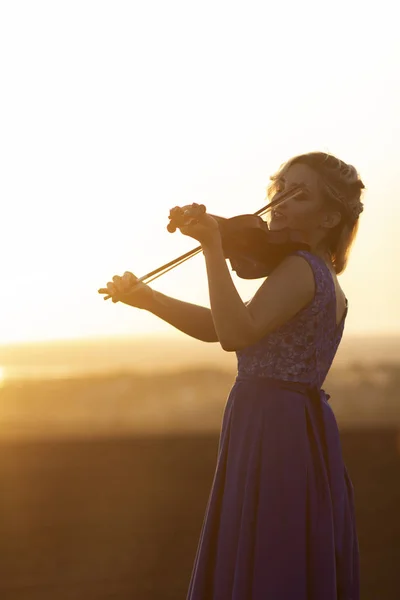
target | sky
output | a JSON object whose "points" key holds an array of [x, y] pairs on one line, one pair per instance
{"points": [[114, 112]]}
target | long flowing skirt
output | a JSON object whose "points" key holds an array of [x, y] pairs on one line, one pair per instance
{"points": [[280, 519]]}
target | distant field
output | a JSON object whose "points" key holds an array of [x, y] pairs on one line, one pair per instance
{"points": [[157, 354], [179, 401]]}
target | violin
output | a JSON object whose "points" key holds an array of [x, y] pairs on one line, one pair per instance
{"points": [[252, 249]]}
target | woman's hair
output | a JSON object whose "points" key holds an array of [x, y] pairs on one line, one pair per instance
{"points": [[342, 188]]}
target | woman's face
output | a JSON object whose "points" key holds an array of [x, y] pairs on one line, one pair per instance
{"points": [[306, 211]]}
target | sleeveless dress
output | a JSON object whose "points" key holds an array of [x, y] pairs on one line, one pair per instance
{"points": [[280, 519]]}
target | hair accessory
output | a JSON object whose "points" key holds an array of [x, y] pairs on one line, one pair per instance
{"points": [[354, 207]]}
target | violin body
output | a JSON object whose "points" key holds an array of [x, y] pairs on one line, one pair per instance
{"points": [[253, 250]]}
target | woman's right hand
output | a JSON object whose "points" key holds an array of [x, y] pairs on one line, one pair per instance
{"points": [[125, 289]]}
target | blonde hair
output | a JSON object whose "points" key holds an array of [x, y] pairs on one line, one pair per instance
{"points": [[341, 188]]}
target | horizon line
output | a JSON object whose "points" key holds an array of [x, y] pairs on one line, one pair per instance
{"points": [[177, 337]]}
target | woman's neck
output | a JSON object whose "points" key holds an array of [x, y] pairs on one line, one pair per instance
{"points": [[324, 254]]}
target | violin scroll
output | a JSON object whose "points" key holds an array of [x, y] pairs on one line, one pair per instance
{"points": [[186, 215]]}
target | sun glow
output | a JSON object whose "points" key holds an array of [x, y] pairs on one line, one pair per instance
{"points": [[102, 136]]}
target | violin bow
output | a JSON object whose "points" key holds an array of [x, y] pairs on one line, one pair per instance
{"points": [[152, 275]]}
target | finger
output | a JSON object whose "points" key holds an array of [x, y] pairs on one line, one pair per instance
{"points": [[111, 288], [189, 230], [119, 282], [128, 280], [128, 276], [113, 292], [104, 291]]}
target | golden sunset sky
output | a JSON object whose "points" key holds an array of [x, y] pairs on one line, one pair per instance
{"points": [[114, 112]]}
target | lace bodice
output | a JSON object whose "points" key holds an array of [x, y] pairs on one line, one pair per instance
{"points": [[303, 348]]}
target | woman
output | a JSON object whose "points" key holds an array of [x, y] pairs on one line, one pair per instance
{"points": [[280, 522]]}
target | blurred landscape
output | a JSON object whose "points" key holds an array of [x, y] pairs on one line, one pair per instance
{"points": [[108, 450], [168, 385]]}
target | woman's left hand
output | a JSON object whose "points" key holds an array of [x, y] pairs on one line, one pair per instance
{"points": [[205, 231]]}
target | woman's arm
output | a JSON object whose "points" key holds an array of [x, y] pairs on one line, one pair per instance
{"points": [[196, 321], [191, 319], [287, 290]]}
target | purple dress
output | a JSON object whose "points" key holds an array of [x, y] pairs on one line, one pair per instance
{"points": [[280, 519]]}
